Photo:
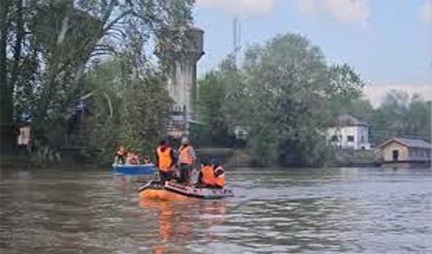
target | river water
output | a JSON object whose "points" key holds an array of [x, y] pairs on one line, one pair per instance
{"points": [[367, 210]]}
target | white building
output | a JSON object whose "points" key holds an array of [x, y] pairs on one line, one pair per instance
{"points": [[348, 132]]}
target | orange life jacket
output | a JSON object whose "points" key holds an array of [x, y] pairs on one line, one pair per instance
{"points": [[165, 160], [185, 155], [219, 177], [208, 176]]}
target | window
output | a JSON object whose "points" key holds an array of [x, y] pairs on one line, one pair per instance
{"points": [[334, 138], [362, 138], [350, 138]]}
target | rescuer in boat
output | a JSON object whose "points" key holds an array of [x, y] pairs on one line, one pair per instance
{"points": [[219, 174], [120, 155], [211, 175], [165, 161], [187, 158]]}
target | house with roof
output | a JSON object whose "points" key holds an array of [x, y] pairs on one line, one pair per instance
{"points": [[348, 132], [405, 152]]}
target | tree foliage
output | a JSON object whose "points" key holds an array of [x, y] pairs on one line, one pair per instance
{"points": [[214, 104], [49, 52], [145, 114], [400, 115], [279, 96]]}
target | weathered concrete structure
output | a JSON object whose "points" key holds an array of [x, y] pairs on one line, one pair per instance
{"points": [[182, 85]]}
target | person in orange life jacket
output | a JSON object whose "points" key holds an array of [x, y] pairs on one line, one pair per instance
{"points": [[120, 155], [219, 173], [165, 161], [186, 159], [206, 178], [132, 158]]}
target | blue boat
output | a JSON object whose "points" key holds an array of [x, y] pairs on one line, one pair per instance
{"points": [[121, 169]]}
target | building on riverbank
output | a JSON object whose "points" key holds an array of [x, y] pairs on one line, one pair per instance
{"points": [[405, 153], [348, 132]]}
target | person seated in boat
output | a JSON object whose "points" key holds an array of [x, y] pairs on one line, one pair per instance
{"points": [[186, 159], [219, 174], [206, 178], [120, 155], [147, 161], [165, 161], [132, 158]]}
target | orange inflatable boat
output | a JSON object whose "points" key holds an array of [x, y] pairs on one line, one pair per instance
{"points": [[177, 192]]}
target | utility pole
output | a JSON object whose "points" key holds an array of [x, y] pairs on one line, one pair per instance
{"points": [[236, 38]]}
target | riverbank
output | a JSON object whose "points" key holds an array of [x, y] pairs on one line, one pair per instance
{"points": [[355, 158], [230, 157]]}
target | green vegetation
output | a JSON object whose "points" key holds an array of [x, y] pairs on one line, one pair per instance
{"points": [[403, 116], [78, 71], [286, 95]]}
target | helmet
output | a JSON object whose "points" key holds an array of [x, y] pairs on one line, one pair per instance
{"points": [[205, 161], [184, 141]]}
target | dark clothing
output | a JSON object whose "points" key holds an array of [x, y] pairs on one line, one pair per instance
{"points": [[185, 170], [165, 176], [120, 159]]}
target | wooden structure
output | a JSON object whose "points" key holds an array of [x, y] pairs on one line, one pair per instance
{"points": [[405, 153]]}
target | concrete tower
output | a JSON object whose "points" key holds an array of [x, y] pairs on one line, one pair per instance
{"points": [[182, 82]]}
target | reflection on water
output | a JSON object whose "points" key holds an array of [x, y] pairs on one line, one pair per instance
{"points": [[308, 210], [185, 222]]}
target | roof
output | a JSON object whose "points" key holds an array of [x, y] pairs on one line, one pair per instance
{"points": [[347, 120], [412, 143]]}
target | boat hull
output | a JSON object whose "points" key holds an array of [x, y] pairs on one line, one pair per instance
{"points": [[134, 169], [178, 192]]}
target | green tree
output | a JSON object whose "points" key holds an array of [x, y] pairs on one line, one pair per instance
{"points": [[345, 91], [400, 115], [11, 22], [56, 42], [285, 92], [145, 115], [215, 94]]}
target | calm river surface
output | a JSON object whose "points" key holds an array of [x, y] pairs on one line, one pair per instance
{"points": [[306, 210]]}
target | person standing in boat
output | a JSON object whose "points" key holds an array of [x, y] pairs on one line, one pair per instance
{"points": [[187, 158], [165, 161]]}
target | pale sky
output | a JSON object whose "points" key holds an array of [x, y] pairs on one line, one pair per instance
{"points": [[389, 42]]}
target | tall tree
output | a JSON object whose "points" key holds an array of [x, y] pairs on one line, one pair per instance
{"points": [[345, 90], [11, 21], [284, 95], [216, 91], [62, 39], [400, 115]]}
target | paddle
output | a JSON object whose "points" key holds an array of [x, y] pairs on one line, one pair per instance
{"points": [[145, 185], [156, 178]]}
